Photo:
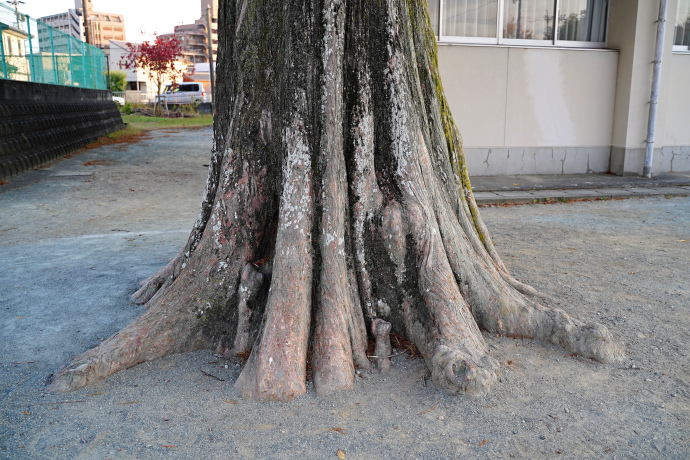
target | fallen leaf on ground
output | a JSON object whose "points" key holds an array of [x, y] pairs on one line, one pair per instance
{"points": [[340, 454], [339, 430], [483, 442], [229, 401], [169, 446], [26, 412]]}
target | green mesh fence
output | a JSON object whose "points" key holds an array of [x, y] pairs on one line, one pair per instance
{"points": [[34, 51]]}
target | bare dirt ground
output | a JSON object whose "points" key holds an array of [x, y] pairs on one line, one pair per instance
{"points": [[77, 236]]}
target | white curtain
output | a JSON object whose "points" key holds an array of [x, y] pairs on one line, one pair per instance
{"points": [[470, 18]]}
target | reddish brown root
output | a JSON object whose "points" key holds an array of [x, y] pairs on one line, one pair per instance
{"points": [[157, 333], [527, 319], [332, 354], [383, 350], [158, 282], [457, 372], [356, 326], [250, 283], [276, 369], [499, 302]]}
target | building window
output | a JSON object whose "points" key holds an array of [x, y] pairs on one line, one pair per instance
{"points": [[681, 40], [572, 23]]}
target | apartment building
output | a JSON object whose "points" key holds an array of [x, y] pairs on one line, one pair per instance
{"points": [[69, 23], [214, 23], [102, 27], [193, 40], [194, 37]]}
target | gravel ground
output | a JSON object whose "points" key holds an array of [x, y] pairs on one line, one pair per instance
{"points": [[78, 235]]}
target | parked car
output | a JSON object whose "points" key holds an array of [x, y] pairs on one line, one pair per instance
{"points": [[119, 100], [182, 93]]}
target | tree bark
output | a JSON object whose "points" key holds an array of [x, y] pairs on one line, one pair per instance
{"points": [[337, 203]]}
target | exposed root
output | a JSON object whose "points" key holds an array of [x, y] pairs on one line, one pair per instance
{"points": [[591, 340], [250, 283], [456, 371], [276, 369], [383, 350], [158, 282], [157, 333], [332, 351], [515, 316], [356, 325]]}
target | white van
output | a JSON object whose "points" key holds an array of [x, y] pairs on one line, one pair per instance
{"points": [[182, 93]]}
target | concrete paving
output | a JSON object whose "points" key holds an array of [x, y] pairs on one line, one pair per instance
{"points": [[546, 188]]}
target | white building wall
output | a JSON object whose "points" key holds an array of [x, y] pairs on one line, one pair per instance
{"points": [[548, 110], [531, 110], [675, 153]]}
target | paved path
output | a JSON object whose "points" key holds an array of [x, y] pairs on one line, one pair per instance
{"points": [[545, 188]]}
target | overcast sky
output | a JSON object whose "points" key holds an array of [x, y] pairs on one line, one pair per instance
{"points": [[140, 15]]}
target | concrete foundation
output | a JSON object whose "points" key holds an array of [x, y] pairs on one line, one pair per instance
{"points": [[537, 160]]}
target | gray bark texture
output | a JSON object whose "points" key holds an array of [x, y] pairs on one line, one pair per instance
{"points": [[337, 209]]}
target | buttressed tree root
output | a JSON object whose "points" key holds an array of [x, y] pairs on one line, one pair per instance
{"points": [[338, 205]]}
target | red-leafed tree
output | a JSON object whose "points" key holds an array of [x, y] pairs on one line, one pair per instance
{"points": [[156, 59], [337, 209]]}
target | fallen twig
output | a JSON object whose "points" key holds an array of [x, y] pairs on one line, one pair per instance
{"points": [[51, 403], [211, 375], [390, 356], [428, 410]]}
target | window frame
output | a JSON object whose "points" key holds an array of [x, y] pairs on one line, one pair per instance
{"points": [[678, 48], [500, 40]]}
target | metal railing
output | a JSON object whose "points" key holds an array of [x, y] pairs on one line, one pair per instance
{"points": [[36, 52]]}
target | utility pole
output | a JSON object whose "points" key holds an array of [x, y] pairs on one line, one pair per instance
{"points": [[20, 17], [87, 27], [656, 84], [210, 53], [15, 3]]}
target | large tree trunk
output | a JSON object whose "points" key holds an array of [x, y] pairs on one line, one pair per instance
{"points": [[338, 205]]}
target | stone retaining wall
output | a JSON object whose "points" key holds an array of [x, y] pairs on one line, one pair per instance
{"points": [[40, 122]]}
